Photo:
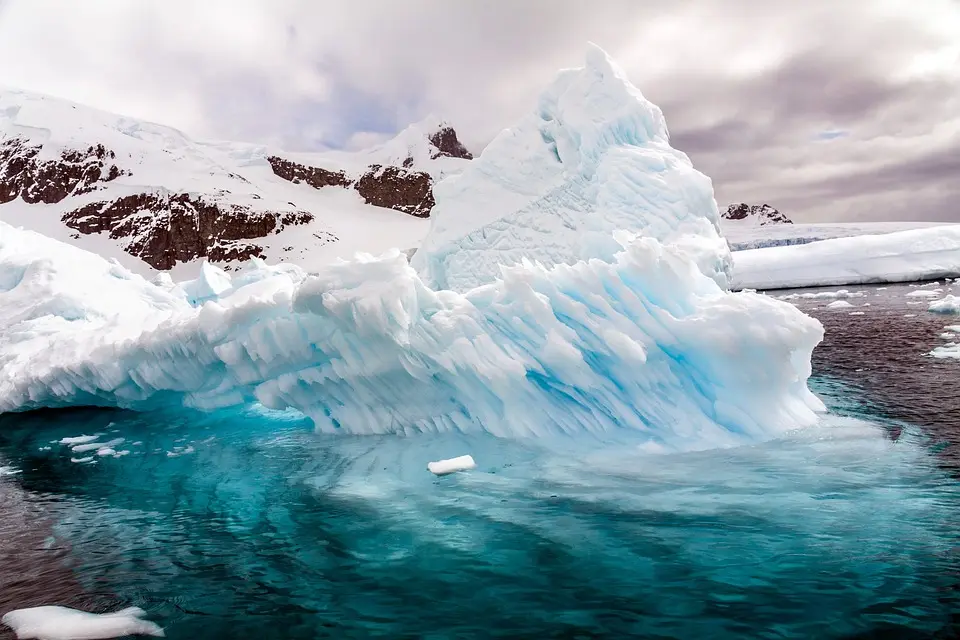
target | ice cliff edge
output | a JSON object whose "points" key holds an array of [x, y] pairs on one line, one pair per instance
{"points": [[624, 328]]}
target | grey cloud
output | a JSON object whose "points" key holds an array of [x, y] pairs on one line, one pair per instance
{"points": [[746, 85]]}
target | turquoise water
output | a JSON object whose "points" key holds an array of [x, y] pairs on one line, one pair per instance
{"points": [[252, 526]]}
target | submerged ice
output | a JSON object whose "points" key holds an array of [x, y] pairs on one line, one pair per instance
{"points": [[573, 281]]}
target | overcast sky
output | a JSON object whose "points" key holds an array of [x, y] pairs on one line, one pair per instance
{"points": [[826, 109]]}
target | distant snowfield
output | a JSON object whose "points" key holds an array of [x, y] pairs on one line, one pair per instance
{"points": [[747, 234], [924, 253]]}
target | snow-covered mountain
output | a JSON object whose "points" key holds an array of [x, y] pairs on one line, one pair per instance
{"points": [[155, 199], [755, 214]]}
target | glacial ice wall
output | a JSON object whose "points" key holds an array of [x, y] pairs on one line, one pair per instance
{"points": [[611, 318], [593, 157]]}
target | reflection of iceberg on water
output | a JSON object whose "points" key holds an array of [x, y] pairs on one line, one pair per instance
{"points": [[573, 281]]}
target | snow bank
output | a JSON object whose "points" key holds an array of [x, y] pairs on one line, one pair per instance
{"points": [[903, 256], [613, 332], [593, 158], [62, 623]]}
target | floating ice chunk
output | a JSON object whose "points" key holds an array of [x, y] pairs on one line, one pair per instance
{"points": [[925, 293], [81, 460], [63, 623], [106, 451], [839, 304], [856, 313], [949, 304], [94, 446], [445, 467], [180, 451], [77, 440]]}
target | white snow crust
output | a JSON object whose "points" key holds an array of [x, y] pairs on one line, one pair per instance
{"points": [[904, 256], [624, 327]]}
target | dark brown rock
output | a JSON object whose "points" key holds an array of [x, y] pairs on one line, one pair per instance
{"points": [[76, 171], [164, 229], [381, 186], [447, 144], [396, 188], [313, 176]]}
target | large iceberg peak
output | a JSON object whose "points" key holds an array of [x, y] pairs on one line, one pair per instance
{"points": [[588, 110], [593, 158]]}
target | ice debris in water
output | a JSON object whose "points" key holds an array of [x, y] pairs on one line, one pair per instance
{"points": [[573, 281], [63, 623], [839, 304], [445, 467], [77, 440], [925, 293], [8, 471], [810, 295], [949, 304]]}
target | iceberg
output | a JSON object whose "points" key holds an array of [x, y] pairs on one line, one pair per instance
{"points": [[574, 282]]}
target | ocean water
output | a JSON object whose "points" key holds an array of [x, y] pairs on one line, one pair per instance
{"points": [[249, 525]]}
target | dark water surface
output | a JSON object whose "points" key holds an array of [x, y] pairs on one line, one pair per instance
{"points": [[251, 526]]}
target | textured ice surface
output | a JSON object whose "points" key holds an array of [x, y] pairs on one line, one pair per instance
{"points": [[903, 256], [949, 304], [594, 157], [62, 623], [624, 327]]}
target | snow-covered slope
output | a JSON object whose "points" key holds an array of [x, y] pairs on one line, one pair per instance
{"points": [[900, 256], [637, 340], [153, 198], [592, 158]]}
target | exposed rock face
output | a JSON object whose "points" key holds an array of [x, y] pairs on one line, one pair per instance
{"points": [[390, 187], [447, 144], [764, 214], [396, 188], [23, 174], [313, 176], [163, 230]]}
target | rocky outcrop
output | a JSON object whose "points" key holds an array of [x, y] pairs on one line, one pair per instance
{"points": [[24, 174], [164, 229], [396, 188], [313, 176], [447, 144], [763, 214], [381, 186]]}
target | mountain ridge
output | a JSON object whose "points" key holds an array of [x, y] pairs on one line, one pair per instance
{"points": [[127, 187]]}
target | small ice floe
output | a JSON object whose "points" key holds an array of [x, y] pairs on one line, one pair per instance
{"points": [[81, 460], [839, 304], [925, 293], [949, 304], [856, 313], [96, 446], [180, 451], [77, 440], [445, 467], [63, 623]]}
